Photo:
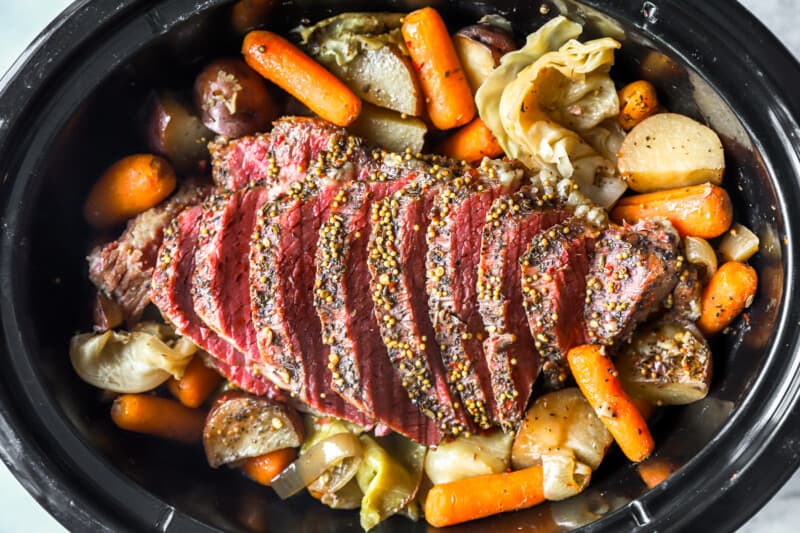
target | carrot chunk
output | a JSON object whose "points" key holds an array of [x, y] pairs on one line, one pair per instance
{"points": [[289, 68], [478, 497], [597, 378], [447, 92], [158, 416], [264, 468], [732, 288], [471, 143], [699, 211], [637, 101], [130, 186], [196, 385]]}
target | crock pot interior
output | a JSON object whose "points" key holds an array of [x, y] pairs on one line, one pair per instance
{"points": [[107, 125]]}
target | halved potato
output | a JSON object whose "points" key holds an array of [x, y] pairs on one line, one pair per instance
{"points": [[668, 363], [669, 150], [241, 425], [384, 77], [561, 420], [479, 48], [388, 129], [175, 131], [466, 457]]}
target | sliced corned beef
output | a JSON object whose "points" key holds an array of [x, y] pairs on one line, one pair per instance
{"points": [[396, 260], [282, 275], [513, 361], [122, 269], [281, 156], [454, 249], [221, 281], [361, 370], [634, 269], [553, 278], [171, 292]]}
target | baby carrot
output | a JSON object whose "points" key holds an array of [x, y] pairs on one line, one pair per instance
{"points": [[637, 101], [597, 378], [471, 143], [264, 468], [289, 68], [447, 92], [197, 383], [478, 497], [700, 210], [158, 416], [732, 288], [130, 186]]}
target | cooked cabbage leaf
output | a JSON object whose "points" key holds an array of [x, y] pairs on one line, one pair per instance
{"points": [[541, 99], [132, 362], [389, 486], [549, 37]]}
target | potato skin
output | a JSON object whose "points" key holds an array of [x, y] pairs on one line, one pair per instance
{"points": [[233, 99], [498, 40], [240, 426], [173, 130]]}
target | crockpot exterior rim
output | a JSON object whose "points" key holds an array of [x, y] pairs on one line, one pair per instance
{"points": [[759, 469]]}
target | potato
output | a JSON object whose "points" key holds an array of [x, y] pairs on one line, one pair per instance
{"points": [[175, 131], [479, 48], [233, 99], [561, 420], [739, 244], [241, 425], [466, 457], [667, 151], [668, 363], [389, 129], [384, 77]]}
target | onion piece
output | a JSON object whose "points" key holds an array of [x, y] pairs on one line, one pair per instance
{"points": [[563, 476], [739, 244], [699, 252], [318, 460], [133, 362]]}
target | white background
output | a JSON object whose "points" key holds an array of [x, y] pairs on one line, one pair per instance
{"points": [[22, 20]]}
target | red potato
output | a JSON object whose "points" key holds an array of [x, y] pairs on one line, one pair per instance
{"points": [[480, 47], [241, 426], [233, 99], [175, 131]]}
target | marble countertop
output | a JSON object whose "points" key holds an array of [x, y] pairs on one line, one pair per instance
{"points": [[24, 19]]}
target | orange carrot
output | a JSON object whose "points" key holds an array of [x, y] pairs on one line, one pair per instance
{"points": [[471, 143], [289, 68], [264, 468], [447, 92], [597, 378], [248, 14], [128, 187], [197, 383], [655, 470], [158, 416], [700, 210], [478, 497], [637, 101], [732, 288]]}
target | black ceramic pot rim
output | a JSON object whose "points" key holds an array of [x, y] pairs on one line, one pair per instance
{"points": [[715, 491]]}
